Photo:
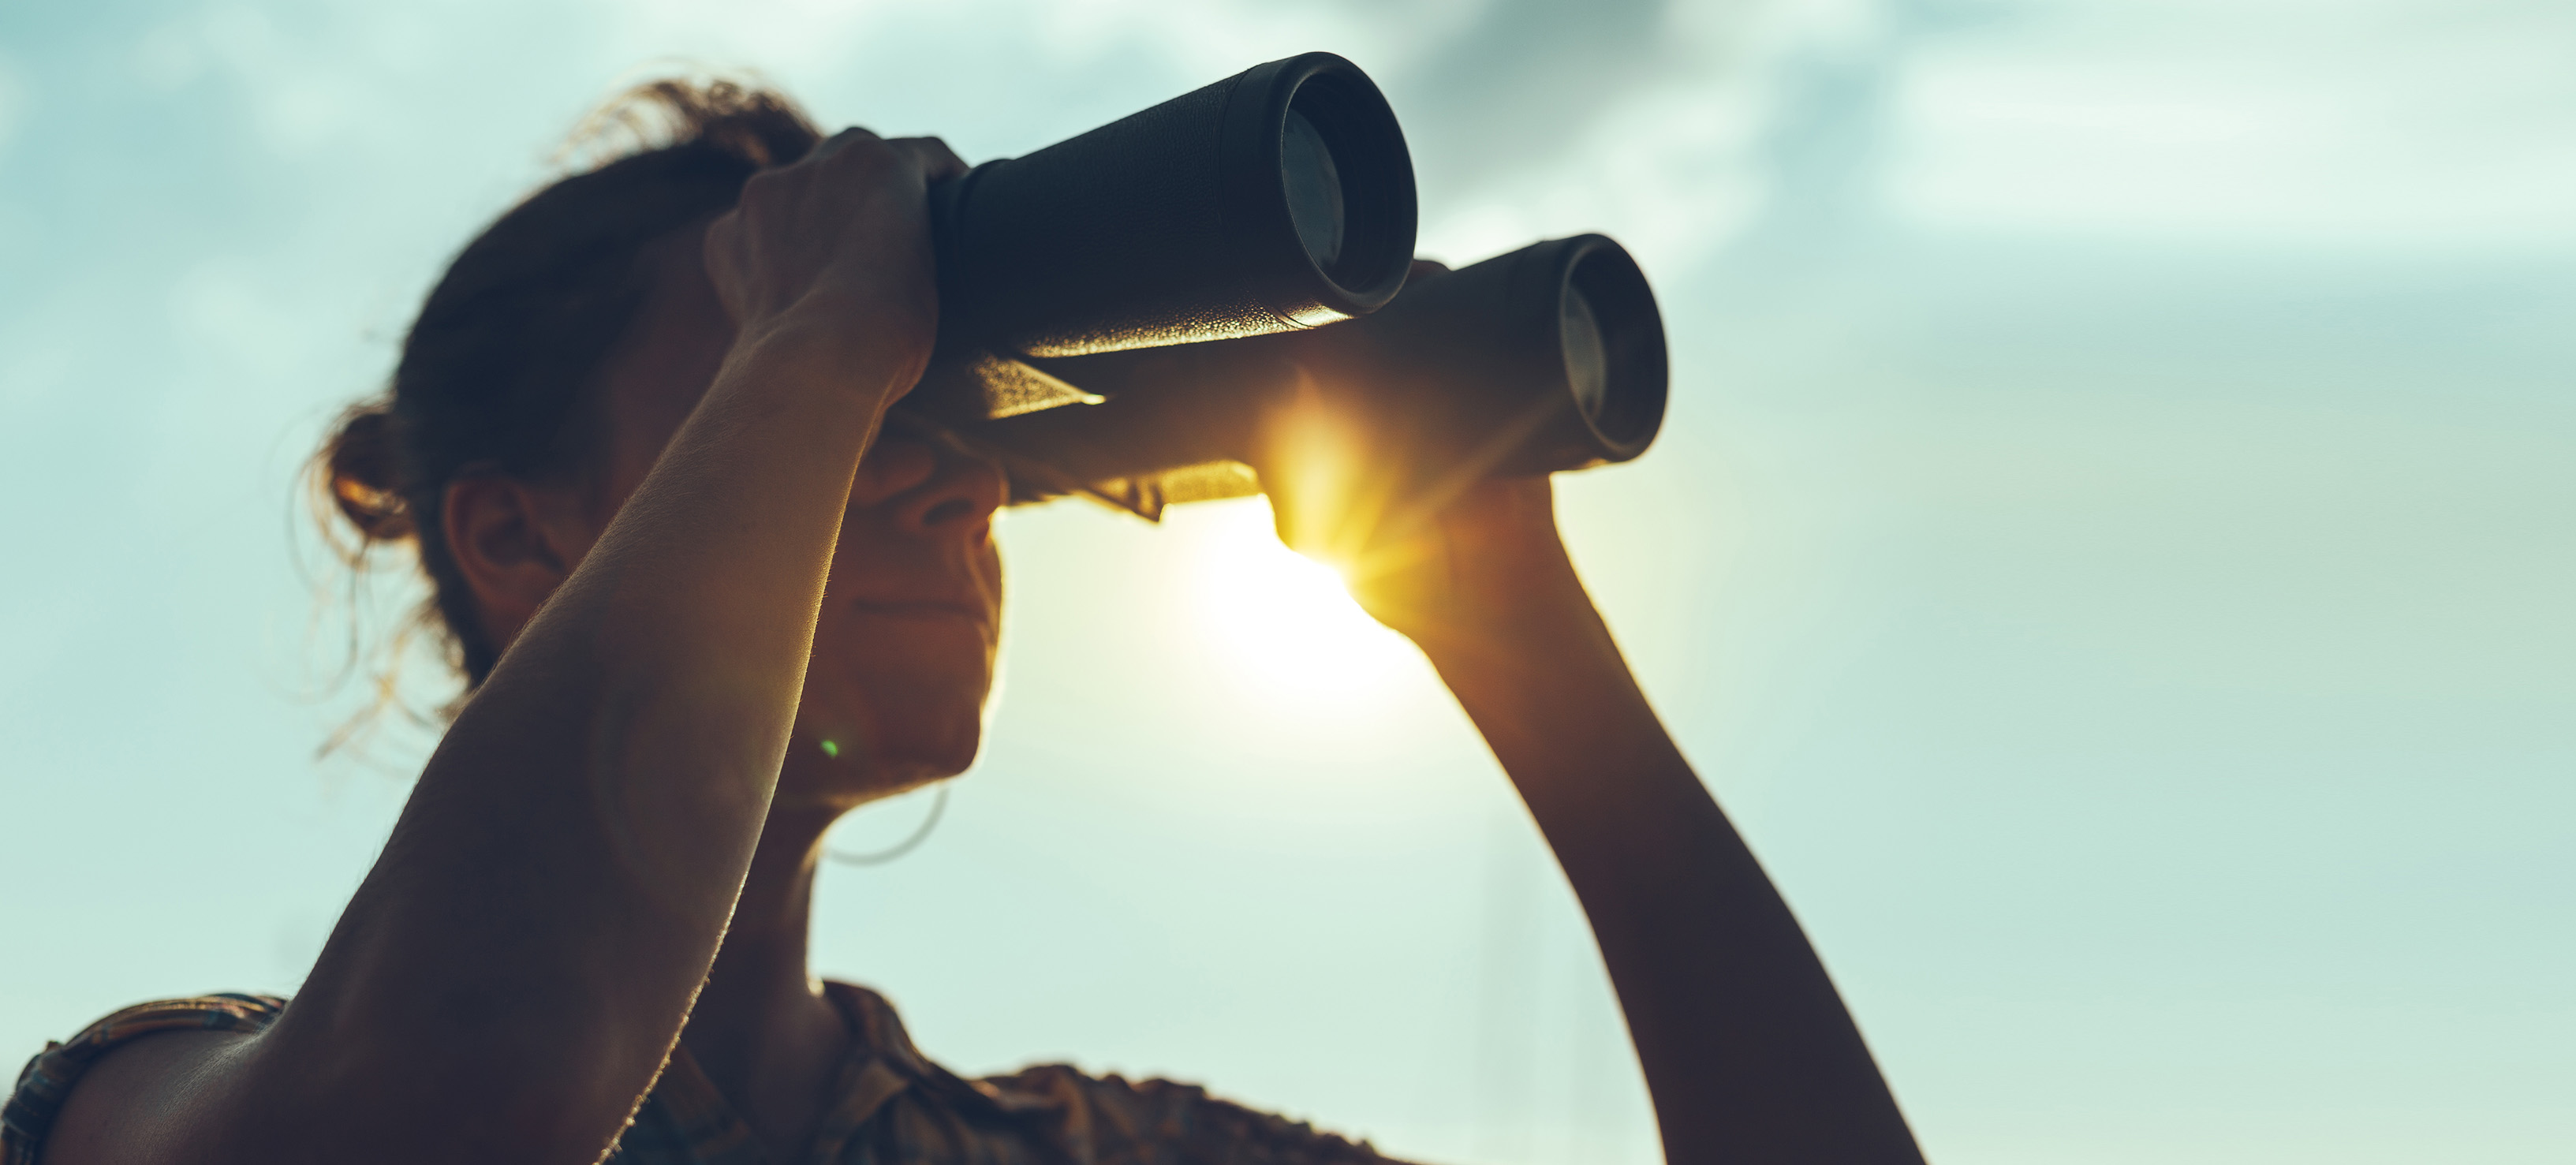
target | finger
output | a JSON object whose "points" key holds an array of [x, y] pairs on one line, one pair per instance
{"points": [[1425, 268], [934, 157]]}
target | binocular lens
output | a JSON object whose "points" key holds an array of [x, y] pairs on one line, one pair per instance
{"points": [[1613, 340], [1314, 187], [1587, 359]]}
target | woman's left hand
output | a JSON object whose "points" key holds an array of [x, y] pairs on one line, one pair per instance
{"points": [[1453, 564], [1472, 574]]}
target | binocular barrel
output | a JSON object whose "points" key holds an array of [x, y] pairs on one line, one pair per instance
{"points": [[1278, 199], [1547, 358]]}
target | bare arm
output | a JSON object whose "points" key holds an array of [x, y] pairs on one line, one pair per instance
{"points": [[1746, 1047], [517, 965]]}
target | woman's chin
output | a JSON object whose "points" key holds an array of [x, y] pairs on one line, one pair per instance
{"points": [[906, 711], [844, 770]]}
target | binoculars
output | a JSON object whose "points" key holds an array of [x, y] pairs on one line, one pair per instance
{"points": [[1120, 311]]}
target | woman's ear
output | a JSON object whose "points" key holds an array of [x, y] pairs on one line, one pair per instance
{"points": [[514, 543]]}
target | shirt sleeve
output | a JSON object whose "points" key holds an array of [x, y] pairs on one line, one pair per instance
{"points": [[1106, 1120], [48, 1079]]}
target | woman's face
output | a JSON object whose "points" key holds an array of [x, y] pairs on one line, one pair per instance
{"points": [[905, 643]]}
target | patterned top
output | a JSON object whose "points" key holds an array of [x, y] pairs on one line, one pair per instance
{"points": [[895, 1107]]}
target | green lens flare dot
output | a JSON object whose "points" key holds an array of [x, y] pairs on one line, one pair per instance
{"points": [[831, 749]]}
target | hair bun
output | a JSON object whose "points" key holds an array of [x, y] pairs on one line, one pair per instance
{"points": [[360, 470], [498, 369]]}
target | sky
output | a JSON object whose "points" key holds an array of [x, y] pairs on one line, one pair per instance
{"points": [[2109, 552]]}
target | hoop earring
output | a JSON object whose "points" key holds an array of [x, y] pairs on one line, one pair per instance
{"points": [[920, 834]]}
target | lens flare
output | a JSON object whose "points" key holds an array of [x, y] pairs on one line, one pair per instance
{"points": [[1317, 466], [1286, 622]]}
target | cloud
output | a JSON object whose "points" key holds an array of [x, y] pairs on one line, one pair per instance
{"points": [[2390, 122], [1661, 135], [1526, 118], [1525, 79]]}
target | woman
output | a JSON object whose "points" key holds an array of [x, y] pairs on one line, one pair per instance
{"points": [[708, 596]]}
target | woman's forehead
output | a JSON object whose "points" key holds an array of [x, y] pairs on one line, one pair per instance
{"points": [[670, 355], [659, 369]]}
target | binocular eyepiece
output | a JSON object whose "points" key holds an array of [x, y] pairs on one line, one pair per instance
{"points": [[1119, 310]]}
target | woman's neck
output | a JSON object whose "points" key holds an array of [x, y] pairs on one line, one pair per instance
{"points": [[761, 1029]]}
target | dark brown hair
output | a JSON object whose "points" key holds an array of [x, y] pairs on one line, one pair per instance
{"points": [[496, 375]]}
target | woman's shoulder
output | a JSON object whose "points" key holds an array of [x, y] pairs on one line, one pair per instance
{"points": [[47, 1079], [1111, 1118], [1106, 1118]]}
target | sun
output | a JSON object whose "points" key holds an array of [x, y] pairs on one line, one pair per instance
{"points": [[1284, 621]]}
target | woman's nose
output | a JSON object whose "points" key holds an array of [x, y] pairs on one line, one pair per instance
{"points": [[960, 496], [896, 464]]}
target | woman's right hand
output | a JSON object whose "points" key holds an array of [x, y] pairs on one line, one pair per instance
{"points": [[842, 234]]}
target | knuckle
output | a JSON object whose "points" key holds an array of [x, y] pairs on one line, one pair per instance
{"points": [[866, 153]]}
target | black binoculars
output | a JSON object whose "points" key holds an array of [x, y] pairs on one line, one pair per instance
{"points": [[1118, 311]]}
